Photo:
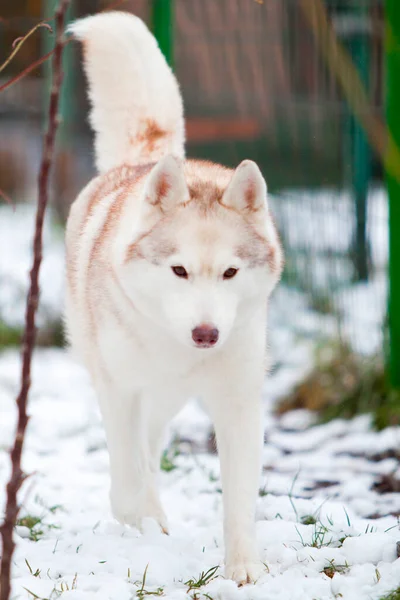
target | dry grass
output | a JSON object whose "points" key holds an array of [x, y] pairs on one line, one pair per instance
{"points": [[343, 384]]}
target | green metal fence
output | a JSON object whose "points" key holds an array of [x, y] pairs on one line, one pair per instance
{"points": [[256, 86], [393, 120]]}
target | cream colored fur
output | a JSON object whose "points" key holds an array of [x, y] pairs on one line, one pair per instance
{"points": [[150, 254], [129, 83]]}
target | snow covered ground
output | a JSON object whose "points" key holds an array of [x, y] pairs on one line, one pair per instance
{"points": [[324, 525]]}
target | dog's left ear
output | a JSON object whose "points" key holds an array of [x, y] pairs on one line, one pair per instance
{"points": [[166, 186], [247, 190]]}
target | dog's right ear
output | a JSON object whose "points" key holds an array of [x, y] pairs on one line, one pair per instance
{"points": [[166, 186]]}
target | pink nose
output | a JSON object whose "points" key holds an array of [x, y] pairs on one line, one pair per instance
{"points": [[205, 336]]}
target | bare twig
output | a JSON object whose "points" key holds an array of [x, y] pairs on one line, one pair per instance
{"points": [[6, 197], [26, 71], [340, 63], [17, 476], [19, 42], [42, 59]]}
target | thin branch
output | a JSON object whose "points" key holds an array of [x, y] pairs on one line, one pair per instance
{"points": [[26, 71], [6, 197], [19, 42], [40, 61], [17, 477], [341, 65]]}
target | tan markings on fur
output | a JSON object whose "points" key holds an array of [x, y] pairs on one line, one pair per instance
{"points": [[206, 269], [71, 268], [162, 189], [151, 135], [271, 258], [206, 238], [160, 249], [121, 318], [250, 198], [108, 184], [276, 263], [110, 222], [85, 49], [260, 252], [231, 208], [133, 251], [206, 195], [112, 181], [256, 255]]}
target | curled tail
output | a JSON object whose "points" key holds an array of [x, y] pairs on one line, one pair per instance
{"points": [[137, 110]]}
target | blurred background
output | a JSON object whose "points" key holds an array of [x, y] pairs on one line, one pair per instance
{"points": [[255, 86]]}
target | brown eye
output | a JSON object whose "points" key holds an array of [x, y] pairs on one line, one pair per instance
{"points": [[180, 272], [229, 273]]}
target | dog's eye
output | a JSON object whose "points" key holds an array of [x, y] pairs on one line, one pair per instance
{"points": [[229, 273], [180, 272]]}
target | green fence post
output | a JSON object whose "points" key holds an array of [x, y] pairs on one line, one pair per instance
{"points": [[362, 155], [392, 48], [68, 95], [163, 26], [65, 164], [357, 150]]}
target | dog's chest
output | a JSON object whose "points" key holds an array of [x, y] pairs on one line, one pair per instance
{"points": [[142, 359]]}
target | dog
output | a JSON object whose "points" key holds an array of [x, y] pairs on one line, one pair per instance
{"points": [[170, 264]]}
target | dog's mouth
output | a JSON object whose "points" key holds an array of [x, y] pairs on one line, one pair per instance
{"points": [[205, 345]]}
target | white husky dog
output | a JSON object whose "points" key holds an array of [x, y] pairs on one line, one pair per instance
{"points": [[170, 263]]}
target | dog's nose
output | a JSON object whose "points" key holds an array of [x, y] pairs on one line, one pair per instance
{"points": [[205, 336]]}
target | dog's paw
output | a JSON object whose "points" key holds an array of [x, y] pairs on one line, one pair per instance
{"points": [[244, 572], [133, 509]]}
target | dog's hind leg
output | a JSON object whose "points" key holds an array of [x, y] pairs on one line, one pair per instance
{"points": [[133, 488]]}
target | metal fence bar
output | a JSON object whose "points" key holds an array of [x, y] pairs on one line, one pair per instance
{"points": [[162, 22], [361, 156], [392, 23]]}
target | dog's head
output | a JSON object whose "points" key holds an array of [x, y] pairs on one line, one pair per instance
{"points": [[205, 252]]}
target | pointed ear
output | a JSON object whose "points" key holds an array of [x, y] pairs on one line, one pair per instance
{"points": [[247, 190], [166, 186]]}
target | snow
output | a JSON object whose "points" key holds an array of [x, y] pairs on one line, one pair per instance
{"points": [[323, 475], [318, 228], [16, 236]]}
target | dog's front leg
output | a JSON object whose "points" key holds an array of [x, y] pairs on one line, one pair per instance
{"points": [[238, 426], [133, 487]]}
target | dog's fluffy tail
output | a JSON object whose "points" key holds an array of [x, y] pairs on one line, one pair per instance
{"points": [[137, 111]]}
